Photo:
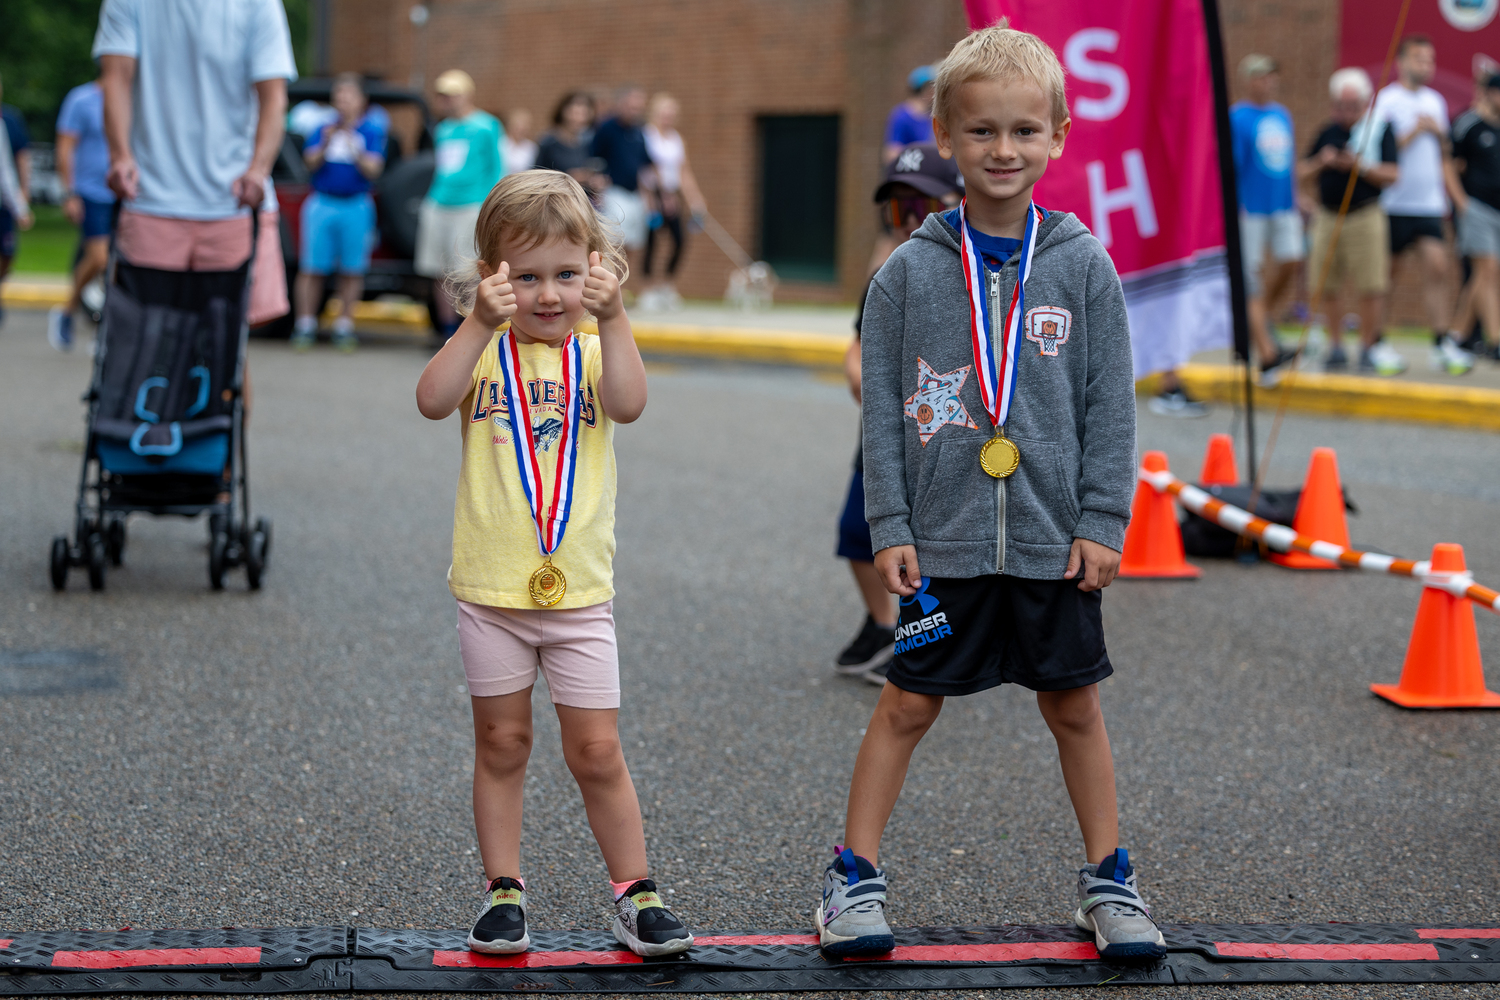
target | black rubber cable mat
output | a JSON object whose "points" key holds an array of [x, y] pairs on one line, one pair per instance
{"points": [[345, 959]]}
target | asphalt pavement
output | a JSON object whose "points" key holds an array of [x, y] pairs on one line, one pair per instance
{"points": [[170, 756]]}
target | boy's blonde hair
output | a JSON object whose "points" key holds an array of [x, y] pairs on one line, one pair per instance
{"points": [[530, 208], [1000, 52]]}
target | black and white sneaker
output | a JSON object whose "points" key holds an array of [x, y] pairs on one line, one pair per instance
{"points": [[872, 638], [645, 925], [500, 928], [1176, 403]]}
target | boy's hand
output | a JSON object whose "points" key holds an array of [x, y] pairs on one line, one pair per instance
{"points": [[601, 290], [898, 570], [495, 300], [1098, 563]]}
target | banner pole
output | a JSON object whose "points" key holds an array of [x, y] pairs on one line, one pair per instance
{"points": [[1213, 32]]}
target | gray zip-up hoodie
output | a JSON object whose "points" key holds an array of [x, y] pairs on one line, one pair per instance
{"points": [[1072, 415]]}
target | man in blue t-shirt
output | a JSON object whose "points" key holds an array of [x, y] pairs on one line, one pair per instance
{"points": [[338, 217], [1264, 151], [911, 120], [621, 143], [83, 168]]}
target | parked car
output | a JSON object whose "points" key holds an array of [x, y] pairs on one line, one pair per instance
{"points": [[398, 194]]}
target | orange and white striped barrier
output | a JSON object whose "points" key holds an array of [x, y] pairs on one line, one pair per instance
{"points": [[1283, 539]]}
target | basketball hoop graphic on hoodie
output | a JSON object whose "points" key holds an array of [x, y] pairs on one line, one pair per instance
{"points": [[935, 404], [1048, 327]]}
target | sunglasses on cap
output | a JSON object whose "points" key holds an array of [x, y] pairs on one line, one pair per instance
{"points": [[901, 209]]}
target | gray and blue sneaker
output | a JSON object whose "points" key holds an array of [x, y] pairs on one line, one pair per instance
{"points": [[851, 914], [1110, 905], [60, 328], [500, 928], [645, 925]]}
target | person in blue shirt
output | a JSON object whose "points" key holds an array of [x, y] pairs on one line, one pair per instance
{"points": [[1264, 152], [620, 142], [83, 167], [338, 217], [15, 195], [911, 120]]}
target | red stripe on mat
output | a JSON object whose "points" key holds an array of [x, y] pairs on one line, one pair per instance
{"points": [[1329, 952], [531, 959], [155, 956], [6, 942], [1460, 933]]}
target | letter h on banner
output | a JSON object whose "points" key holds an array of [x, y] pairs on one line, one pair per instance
{"points": [[1135, 195]]}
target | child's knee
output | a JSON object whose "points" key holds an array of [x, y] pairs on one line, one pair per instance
{"points": [[1074, 711], [503, 748], [597, 760], [910, 713]]}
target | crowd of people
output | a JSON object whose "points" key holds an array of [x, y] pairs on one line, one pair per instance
{"points": [[1404, 188]]}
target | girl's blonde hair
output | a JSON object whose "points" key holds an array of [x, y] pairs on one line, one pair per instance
{"points": [[1000, 52], [527, 209]]}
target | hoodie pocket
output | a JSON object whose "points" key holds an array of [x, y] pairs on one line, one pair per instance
{"points": [[955, 497], [1041, 505]]}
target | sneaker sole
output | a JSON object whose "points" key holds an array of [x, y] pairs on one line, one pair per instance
{"points": [[1143, 950], [674, 947], [499, 947], [845, 947]]}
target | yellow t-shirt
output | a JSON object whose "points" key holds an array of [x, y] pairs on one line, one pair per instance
{"points": [[494, 537]]}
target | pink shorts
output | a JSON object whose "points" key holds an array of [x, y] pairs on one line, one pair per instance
{"points": [[210, 245], [575, 649]]}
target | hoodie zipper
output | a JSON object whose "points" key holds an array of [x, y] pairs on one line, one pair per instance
{"points": [[994, 293]]}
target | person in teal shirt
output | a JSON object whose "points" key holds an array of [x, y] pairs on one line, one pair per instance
{"points": [[468, 165]]}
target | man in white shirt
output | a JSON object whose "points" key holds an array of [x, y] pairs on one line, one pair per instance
{"points": [[1417, 203], [194, 101]]}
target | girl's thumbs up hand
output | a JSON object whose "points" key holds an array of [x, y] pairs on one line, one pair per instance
{"points": [[601, 290]]}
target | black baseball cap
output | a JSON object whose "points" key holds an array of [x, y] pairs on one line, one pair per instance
{"points": [[922, 167]]}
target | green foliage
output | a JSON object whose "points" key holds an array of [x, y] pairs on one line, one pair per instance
{"points": [[44, 53], [47, 248]]}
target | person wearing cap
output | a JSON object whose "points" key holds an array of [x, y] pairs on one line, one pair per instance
{"points": [[1474, 185], [911, 120], [917, 182], [1270, 225], [467, 147]]}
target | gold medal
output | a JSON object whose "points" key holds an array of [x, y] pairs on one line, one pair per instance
{"points": [[999, 456], [548, 585]]}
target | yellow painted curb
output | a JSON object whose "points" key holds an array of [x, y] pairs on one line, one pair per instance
{"points": [[782, 347], [33, 295], [1348, 396]]}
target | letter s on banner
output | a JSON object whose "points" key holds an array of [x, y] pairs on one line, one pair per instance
{"points": [[1135, 195], [1076, 56]]}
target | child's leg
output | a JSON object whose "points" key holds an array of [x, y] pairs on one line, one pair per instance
{"points": [[591, 746], [1088, 767], [879, 601], [900, 721], [502, 746]]}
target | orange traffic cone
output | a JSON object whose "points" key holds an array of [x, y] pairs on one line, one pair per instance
{"points": [[1153, 542], [1218, 462], [1320, 512], [1442, 668]]}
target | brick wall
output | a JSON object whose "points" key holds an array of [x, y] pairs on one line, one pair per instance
{"points": [[732, 60]]}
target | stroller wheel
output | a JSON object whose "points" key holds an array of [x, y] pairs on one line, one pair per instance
{"points": [[59, 567], [218, 547], [255, 558], [97, 559], [114, 541], [263, 526]]}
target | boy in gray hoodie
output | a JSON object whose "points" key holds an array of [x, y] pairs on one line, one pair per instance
{"points": [[999, 452]]}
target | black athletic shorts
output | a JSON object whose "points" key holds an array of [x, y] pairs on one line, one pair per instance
{"points": [[959, 636], [1406, 229]]}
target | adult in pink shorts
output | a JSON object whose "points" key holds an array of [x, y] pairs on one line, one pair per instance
{"points": [[194, 102]]}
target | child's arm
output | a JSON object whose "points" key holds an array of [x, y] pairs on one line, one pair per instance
{"points": [[447, 378], [1107, 477], [622, 386], [887, 507]]}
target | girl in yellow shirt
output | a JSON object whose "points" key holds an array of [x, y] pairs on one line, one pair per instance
{"points": [[533, 533]]}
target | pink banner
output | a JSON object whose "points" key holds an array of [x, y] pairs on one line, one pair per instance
{"points": [[1141, 166]]}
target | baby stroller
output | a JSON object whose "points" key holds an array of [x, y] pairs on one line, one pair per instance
{"points": [[166, 421]]}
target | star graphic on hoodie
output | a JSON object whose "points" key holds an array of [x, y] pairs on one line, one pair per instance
{"points": [[936, 402]]}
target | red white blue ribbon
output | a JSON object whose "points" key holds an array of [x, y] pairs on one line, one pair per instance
{"points": [[997, 371], [551, 519]]}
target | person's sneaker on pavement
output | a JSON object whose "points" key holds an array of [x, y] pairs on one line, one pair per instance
{"points": [[343, 335], [1111, 908], [851, 913], [1447, 356], [876, 674], [1336, 360], [645, 925], [872, 638], [1272, 370], [1176, 403], [60, 328], [1381, 359], [304, 334], [500, 928]]}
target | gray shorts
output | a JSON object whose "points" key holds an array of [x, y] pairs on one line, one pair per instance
{"points": [[1479, 230]]}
